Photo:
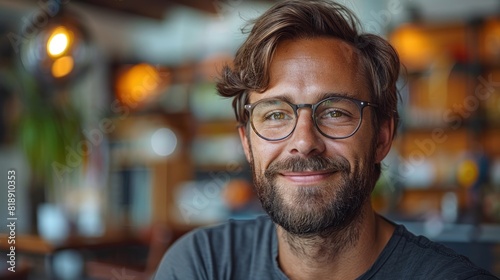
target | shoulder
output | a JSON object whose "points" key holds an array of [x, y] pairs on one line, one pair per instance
{"points": [[209, 252], [235, 229], [229, 233], [412, 256]]}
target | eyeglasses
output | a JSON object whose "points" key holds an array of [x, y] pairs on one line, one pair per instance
{"points": [[335, 117]]}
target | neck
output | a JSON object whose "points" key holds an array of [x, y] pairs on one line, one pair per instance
{"points": [[348, 252]]}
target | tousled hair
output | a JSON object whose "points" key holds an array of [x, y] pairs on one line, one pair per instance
{"points": [[295, 19]]}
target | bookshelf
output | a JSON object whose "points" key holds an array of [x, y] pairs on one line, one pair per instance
{"points": [[448, 139]]}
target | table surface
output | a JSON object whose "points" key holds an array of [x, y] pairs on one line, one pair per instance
{"points": [[36, 244]]}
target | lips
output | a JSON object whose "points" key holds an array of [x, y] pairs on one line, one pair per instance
{"points": [[307, 176], [307, 171]]}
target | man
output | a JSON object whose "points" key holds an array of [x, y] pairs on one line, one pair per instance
{"points": [[316, 101]]}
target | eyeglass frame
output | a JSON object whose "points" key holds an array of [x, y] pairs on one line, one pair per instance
{"points": [[360, 103]]}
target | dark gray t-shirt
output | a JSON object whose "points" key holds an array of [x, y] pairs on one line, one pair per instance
{"points": [[248, 249]]}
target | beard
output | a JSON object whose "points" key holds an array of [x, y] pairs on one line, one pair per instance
{"points": [[315, 210]]}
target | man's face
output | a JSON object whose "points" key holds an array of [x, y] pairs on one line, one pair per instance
{"points": [[309, 183]]}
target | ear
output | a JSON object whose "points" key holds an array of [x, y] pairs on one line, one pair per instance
{"points": [[245, 142], [384, 139]]}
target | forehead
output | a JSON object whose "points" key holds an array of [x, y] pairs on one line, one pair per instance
{"points": [[304, 69]]}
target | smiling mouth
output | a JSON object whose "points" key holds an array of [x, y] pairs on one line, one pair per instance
{"points": [[308, 176]]}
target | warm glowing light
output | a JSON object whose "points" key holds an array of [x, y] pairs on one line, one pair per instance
{"points": [[138, 84], [62, 66], [414, 47], [468, 173], [491, 40], [58, 42]]}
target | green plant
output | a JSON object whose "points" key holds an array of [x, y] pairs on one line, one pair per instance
{"points": [[48, 128]]}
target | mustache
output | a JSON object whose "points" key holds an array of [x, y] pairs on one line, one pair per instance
{"points": [[300, 164]]}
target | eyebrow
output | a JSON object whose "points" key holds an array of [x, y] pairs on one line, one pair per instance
{"points": [[335, 94], [322, 96]]}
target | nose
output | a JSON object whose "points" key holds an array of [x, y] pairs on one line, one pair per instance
{"points": [[306, 139]]}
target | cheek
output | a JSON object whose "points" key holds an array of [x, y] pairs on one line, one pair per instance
{"points": [[357, 150], [364, 138], [263, 152]]}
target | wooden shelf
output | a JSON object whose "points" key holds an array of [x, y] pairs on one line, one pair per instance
{"points": [[218, 127]]}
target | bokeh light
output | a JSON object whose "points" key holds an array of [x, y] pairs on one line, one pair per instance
{"points": [[138, 84], [62, 66], [468, 173], [58, 52], [164, 142], [415, 49], [59, 42]]}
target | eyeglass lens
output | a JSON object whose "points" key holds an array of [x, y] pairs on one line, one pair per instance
{"points": [[275, 119]]}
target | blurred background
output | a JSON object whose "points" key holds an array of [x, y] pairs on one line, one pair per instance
{"points": [[110, 120]]}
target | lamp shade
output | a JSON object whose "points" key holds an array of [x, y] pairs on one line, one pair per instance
{"points": [[58, 51]]}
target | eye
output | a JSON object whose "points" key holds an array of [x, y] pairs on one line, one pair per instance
{"points": [[335, 114], [276, 116]]}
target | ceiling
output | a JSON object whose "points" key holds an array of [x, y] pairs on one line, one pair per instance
{"points": [[156, 8]]}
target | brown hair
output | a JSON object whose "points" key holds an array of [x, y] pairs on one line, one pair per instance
{"points": [[295, 19]]}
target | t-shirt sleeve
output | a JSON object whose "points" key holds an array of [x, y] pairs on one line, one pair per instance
{"points": [[186, 259], [231, 250]]}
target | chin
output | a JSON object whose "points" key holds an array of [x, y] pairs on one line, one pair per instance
{"points": [[310, 210]]}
